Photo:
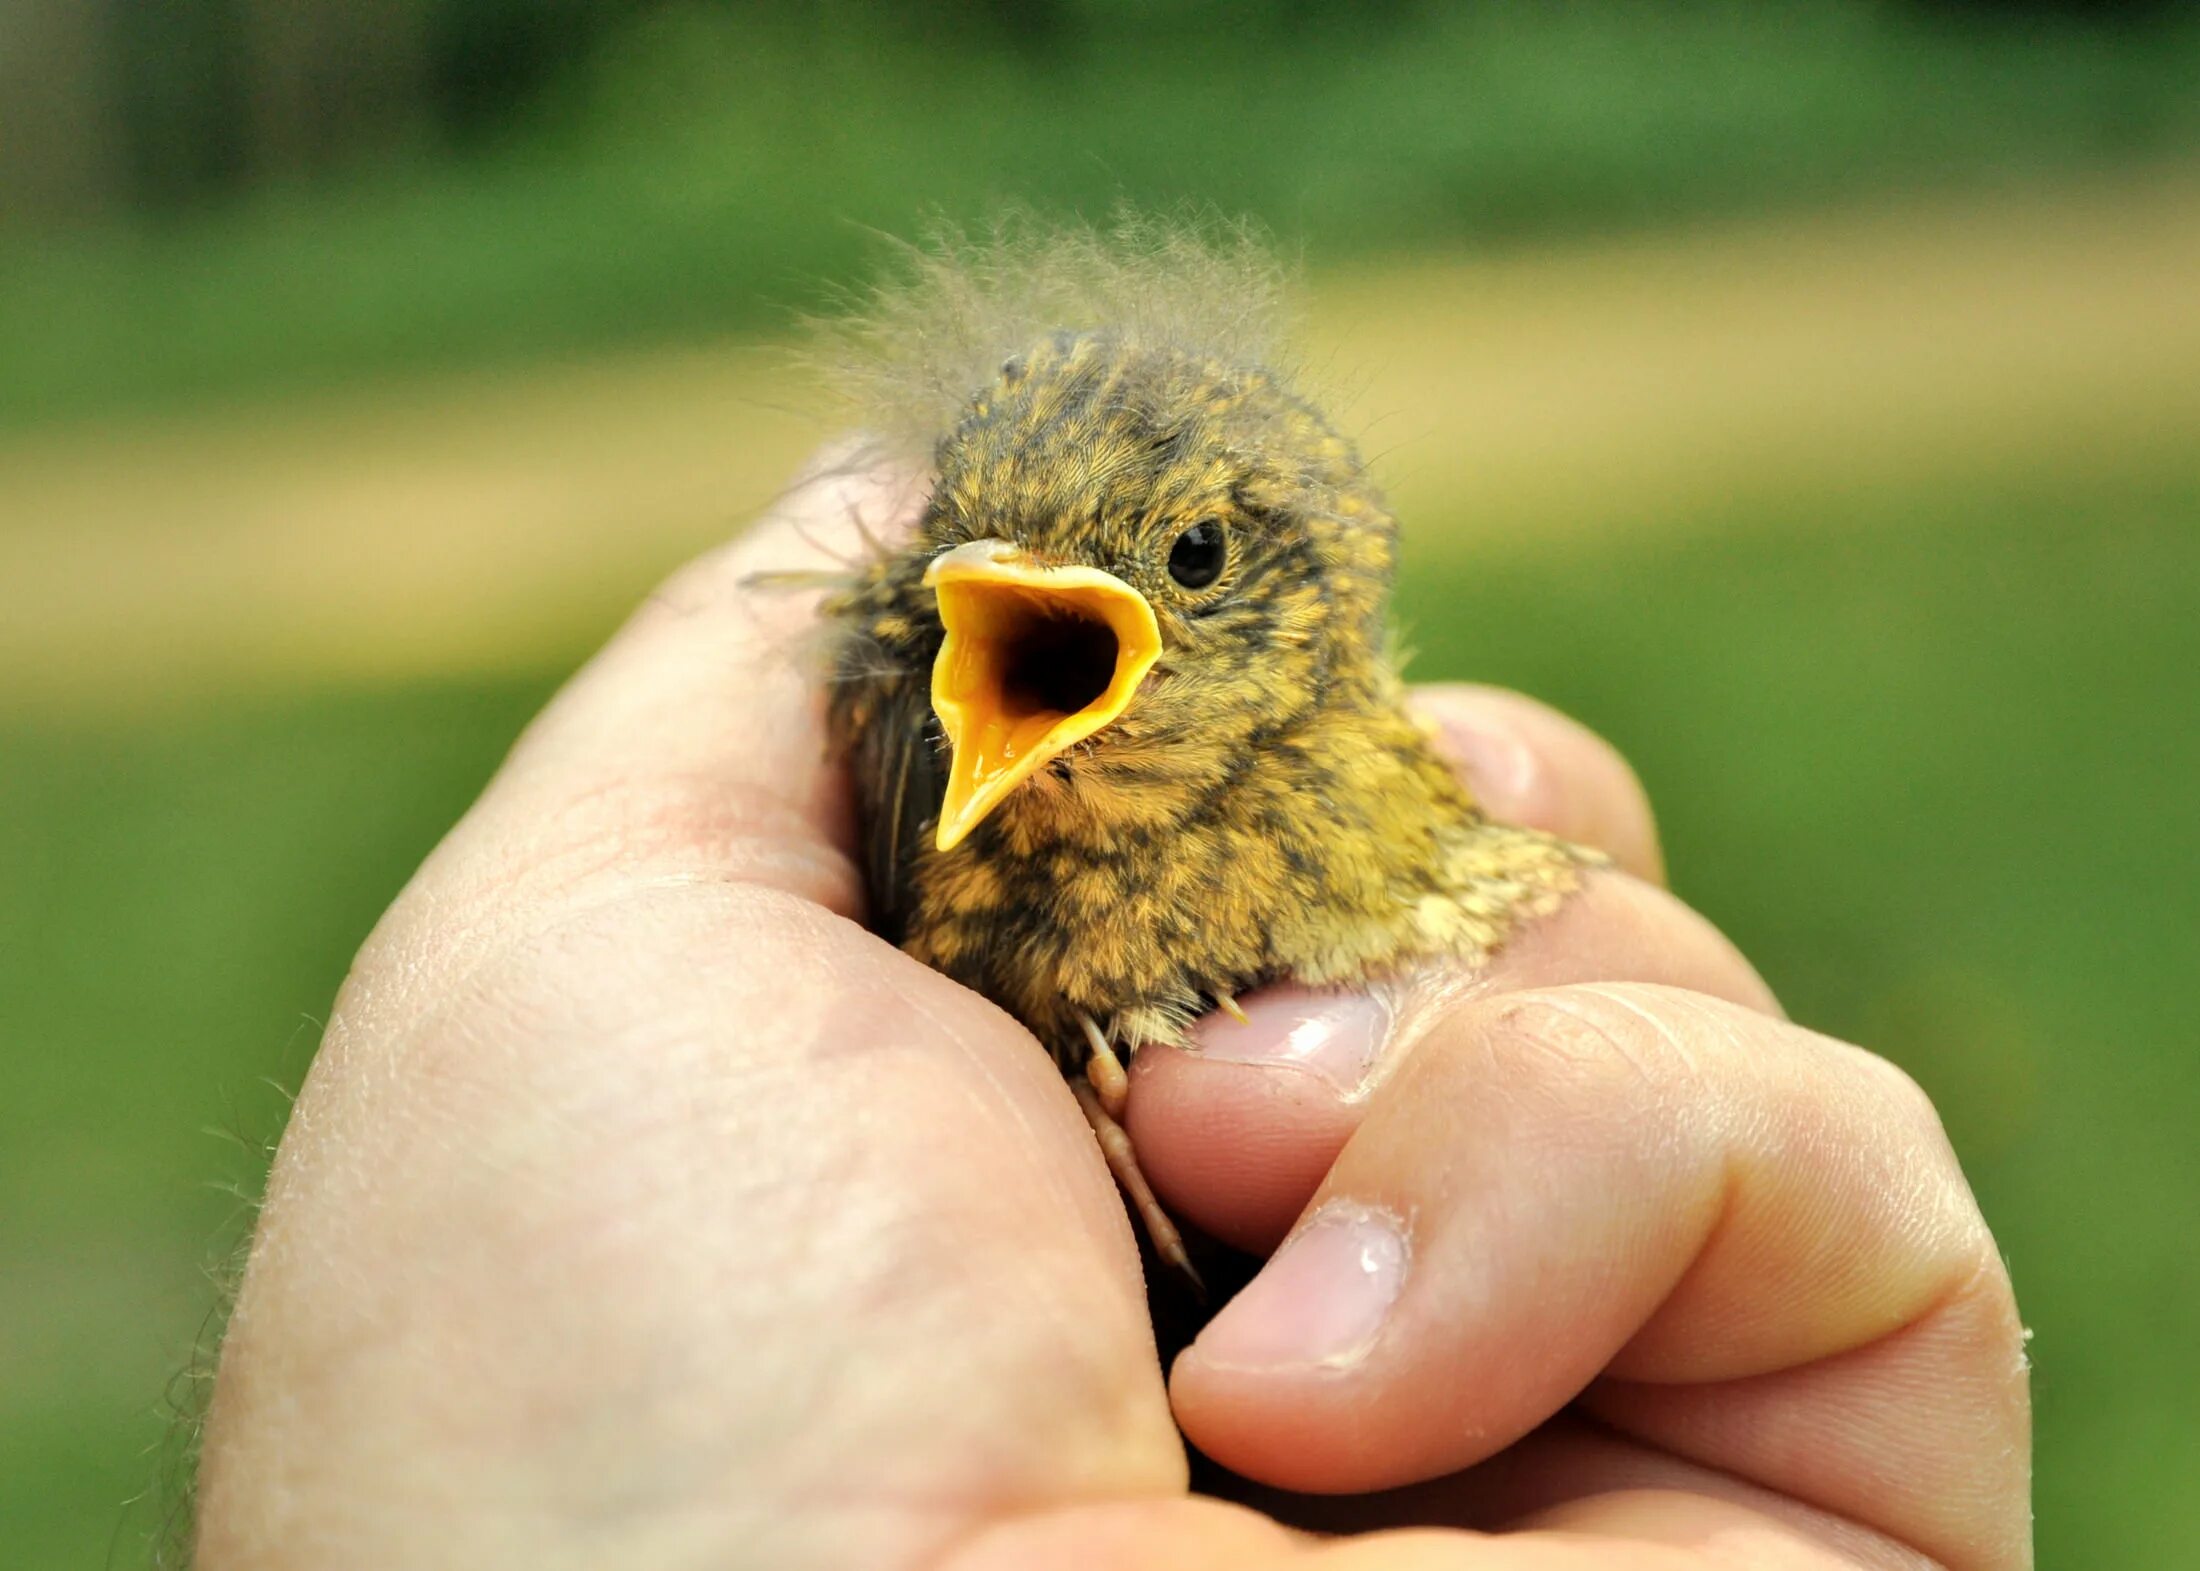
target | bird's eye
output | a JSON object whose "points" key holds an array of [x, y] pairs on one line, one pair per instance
{"points": [[1195, 561]]}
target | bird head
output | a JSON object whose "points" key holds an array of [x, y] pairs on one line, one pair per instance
{"points": [[1147, 563]]}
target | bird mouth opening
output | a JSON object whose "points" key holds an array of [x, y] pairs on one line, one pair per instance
{"points": [[1036, 659], [1055, 660]]}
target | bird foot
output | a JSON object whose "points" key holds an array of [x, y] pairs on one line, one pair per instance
{"points": [[1115, 1145]]}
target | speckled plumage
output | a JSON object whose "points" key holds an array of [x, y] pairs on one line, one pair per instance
{"points": [[1265, 807]]}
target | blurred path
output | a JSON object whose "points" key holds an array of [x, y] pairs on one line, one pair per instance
{"points": [[477, 521]]}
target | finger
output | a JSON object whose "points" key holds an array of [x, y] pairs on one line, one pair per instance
{"points": [[1149, 1535], [1574, 1475], [691, 748], [1528, 764], [1236, 1134], [1644, 1530], [693, 744], [1756, 1236]]}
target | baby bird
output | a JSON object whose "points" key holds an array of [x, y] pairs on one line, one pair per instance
{"points": [[1125, 727]]}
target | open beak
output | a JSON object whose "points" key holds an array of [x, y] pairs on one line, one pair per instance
{"points": [[1036, 659]]}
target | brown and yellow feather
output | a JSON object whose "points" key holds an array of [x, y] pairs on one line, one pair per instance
{"points": [[1265, 807]]}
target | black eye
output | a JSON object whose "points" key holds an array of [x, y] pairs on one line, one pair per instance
{"points": [[1195, 561]]}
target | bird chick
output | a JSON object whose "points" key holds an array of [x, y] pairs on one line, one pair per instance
{"points": [[1126, 730]]}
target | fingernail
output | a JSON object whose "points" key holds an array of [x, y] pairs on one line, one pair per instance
{"points": [[1337, 1036], [1321, 1301], [1498, 761]]}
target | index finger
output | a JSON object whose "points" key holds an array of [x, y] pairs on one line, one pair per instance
{"points": [[693, 745]]}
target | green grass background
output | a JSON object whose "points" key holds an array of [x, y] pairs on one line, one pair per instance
{"points": [[1926, 750], [719, 165]]}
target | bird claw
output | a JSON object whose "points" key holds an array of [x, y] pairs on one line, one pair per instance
{"points": [[1104, 1071]]}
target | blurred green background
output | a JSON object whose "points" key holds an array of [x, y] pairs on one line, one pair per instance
{"points": [[1805, 394]]}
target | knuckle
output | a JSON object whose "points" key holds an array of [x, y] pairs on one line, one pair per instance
{"points": [[1904, 1099], [641, 828], [1639, 1038]]}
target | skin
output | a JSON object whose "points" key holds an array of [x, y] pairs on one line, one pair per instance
{"points": [[643, 1209]]}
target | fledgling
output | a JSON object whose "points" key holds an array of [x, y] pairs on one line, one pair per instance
{"points": [[1125, 727]]}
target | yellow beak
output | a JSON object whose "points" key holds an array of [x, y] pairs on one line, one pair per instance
{"points": [[1036, 659]]}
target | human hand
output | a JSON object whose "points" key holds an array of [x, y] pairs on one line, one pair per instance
{"points": [[642, 1209]]}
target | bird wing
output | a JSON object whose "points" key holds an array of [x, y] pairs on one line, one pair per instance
{"points": [[896, 755]]}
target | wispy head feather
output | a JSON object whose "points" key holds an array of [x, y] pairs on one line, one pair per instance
{"points": [[909, 353]]}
